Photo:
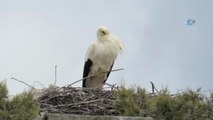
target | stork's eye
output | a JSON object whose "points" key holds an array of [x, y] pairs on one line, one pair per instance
{"points": [[103, 33]]}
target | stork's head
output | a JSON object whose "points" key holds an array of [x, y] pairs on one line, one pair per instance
{"points": [[102, 31]]}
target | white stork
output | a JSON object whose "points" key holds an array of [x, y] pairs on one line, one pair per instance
{"points": [[100, 57]]}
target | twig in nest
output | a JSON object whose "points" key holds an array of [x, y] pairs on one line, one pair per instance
{"points": [[95, 75], [112, 86], [23, 82], [154, 88], [55, 75], [72, 100], [40, 84]]}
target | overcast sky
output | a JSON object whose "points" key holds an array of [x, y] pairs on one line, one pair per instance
{"points": [[159, 47]]}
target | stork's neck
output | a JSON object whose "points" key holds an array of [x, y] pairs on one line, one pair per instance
{"points": [[102, 38]]}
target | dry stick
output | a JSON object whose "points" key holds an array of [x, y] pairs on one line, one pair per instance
{"points": [[77, 103], [154, 88], [23, 82], [40, 84], [55, 75], [85, 101], [110, 85], [95, 75]]}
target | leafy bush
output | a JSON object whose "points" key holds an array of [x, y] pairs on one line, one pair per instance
{"points": [[187, 105], [21, 107], [125, 103], [3, 103]]}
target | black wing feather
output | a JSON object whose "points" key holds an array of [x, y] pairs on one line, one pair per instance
{"points": [[109, 72], [87, 67]]}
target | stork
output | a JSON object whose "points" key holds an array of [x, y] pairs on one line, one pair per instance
{"points": [[100, 57]]}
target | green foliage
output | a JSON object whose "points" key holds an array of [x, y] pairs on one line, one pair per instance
{"points": [[3, 90], [210, 107], [192, 105], [141, 100], [187, 105], [124, 104], [163, 106], [21, 107], [3, 103]]}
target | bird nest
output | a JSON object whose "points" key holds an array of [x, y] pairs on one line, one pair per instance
{"points": [[82, 101]]}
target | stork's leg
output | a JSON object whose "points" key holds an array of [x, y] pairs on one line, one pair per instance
{"points": [[102, 87]]}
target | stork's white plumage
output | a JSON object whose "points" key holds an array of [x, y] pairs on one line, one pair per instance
{"points": [[100, 57]]}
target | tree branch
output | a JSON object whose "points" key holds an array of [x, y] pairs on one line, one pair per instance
{"points": [[23, 82], [95, 75], [55, 75]]}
